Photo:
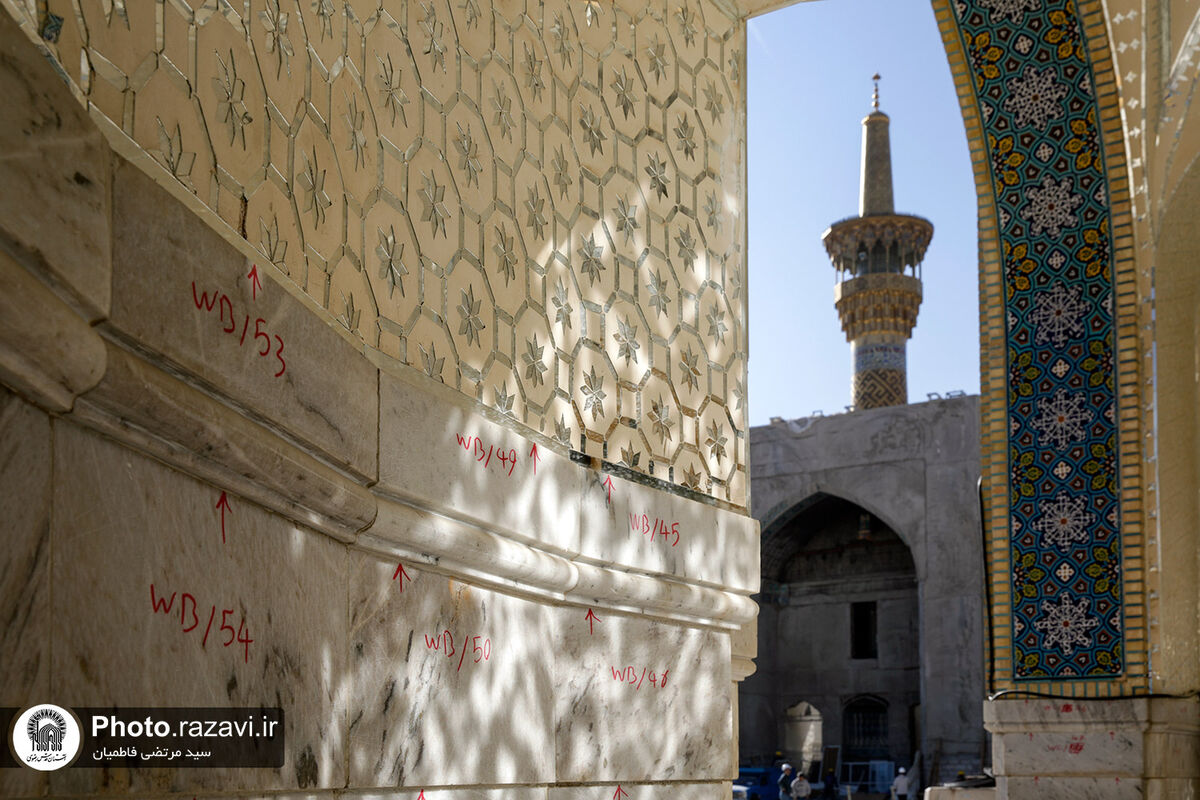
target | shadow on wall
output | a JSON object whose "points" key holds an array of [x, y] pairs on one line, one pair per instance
{"points": [[398, 659], [390, 674]]}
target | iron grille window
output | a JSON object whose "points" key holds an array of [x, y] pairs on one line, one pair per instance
{"points": [[866, 725]]}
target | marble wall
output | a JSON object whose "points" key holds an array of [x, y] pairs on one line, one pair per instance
{"points": [[410, 569], [538, 204], [420, 680]]}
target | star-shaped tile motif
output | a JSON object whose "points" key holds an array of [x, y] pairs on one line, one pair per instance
{"points": [[433, 31], [391, 268], [591, 130], [657, 170], [713, 209], [626, 218], [623, 86], [471, 324], [659, 298], [505, 253], [656, 52], [716, 441], [691, 479], [562, 39], [432, 364], [689, 366], [660, 419], [591, 252], [714, 102], [435, 210], [350, 316], [504, 400], [535, 369], [593, 393], [502, 105], [716, 324], [533, 73], [358, 139], [534, 204], [562, 312], [687, 23], [562, 432], [388, 81], [687, 138], [626, 338], [468, 155], [630, 457], [561, 179], [687, 247], [312, 181]]}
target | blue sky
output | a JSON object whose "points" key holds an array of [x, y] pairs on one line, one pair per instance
{"points": [[810, 68]]}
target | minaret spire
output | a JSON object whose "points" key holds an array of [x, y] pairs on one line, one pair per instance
{"points": [[875, 194], [878, 256]]}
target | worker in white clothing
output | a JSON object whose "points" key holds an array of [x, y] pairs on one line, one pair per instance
{"points": [[900, 786]]}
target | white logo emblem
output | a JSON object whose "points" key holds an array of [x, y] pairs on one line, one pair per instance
{"points": [[46, 737]]}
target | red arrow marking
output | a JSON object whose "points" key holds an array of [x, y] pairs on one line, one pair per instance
{"points": [[608, 483], [223, 504], [255, 284], [591, 618], [401, 574], [534, 455], [421, 796], [619, 793]]}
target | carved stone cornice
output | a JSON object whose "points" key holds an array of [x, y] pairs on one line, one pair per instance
{"points": [[882, 303]]}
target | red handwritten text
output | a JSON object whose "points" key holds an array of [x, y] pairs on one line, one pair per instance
{"points": [[262, 341], [1074, 747], [653, 526], [489, 455], [255, 283], [480, 647], [631, 676], [223, 504], [189, 620]]}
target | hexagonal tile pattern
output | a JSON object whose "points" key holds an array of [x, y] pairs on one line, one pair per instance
{"points": [[537, 203]]}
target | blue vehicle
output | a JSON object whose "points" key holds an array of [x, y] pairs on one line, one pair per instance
{"points": [[762, 783]]}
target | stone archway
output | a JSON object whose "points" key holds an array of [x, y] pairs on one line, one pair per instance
{"points": [[839, 616], [912, 470]]}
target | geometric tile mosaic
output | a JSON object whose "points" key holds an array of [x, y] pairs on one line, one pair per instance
{"points": [[537, 203], [1037, 104]]}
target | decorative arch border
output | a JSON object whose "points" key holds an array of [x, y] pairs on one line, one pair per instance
{"points": [[1035, 139]]}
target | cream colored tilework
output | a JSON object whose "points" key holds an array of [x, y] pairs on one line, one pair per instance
{"points": [[540, 204]]}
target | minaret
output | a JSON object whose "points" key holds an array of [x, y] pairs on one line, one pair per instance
{"points": [[878, 257]]}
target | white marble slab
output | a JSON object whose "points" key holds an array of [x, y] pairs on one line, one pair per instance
{"points": [[54, 166], [615, 720], [25, 459], [124, 523], [450, 684], [447, 458], [261, 346]]}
